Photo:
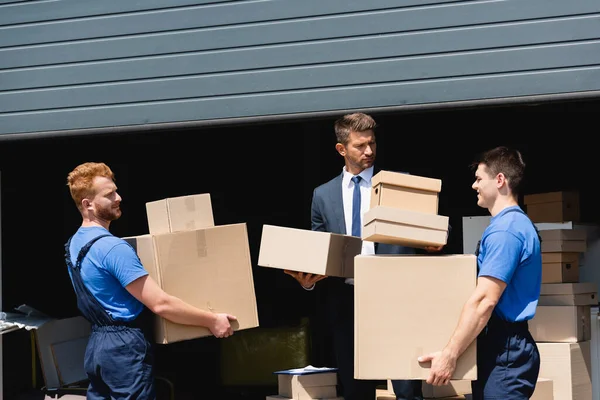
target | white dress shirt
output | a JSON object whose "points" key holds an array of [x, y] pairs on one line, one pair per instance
{"points": [[365, 200]]}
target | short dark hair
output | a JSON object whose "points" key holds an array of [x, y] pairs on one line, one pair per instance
{"points": [[356, 122], [504, 160]]}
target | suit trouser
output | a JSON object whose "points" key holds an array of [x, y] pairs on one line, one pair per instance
{"points": [[340, 309]]}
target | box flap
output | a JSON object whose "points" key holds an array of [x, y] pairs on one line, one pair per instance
{"points": [[407, 180], [406, 217]]}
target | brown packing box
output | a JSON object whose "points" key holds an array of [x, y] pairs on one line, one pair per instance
{"points": [[569, 367], [544, 390], [560, 267], [405, 228], [311, 386], [454, 388], [303, 250], [176, 214], [561, 324], [420, 298], [568, 294], [207, 268], [409, 192], [553, 206], [563, 240]]}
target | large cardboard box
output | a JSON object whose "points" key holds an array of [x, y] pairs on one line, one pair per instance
{"points": [[409, 192], [303, 250], [405, 228], [560, 267], [561, 324], [569, 367], [553, 206], [177, 214], [419, 299], [568, 294], [454, 388], [207, 268]]}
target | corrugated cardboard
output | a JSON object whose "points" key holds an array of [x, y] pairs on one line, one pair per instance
{"points": [[553, 206], [303, 250], [420, 299], [207, 268], [568, 294], [544, 390], [305, 387], [561, 324], [563, 240], [560, 267], [177, 214], [409, 192], [569, 367], [405, 228]]}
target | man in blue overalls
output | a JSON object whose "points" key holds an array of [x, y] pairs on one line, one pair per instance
{"points": [[507, 291], [116, 294]]}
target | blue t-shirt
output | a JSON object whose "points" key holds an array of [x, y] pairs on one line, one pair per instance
{"points": [[510, 251], [110, 265]]}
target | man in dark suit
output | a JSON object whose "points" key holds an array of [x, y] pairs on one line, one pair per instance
{"points": [[337, 207]]}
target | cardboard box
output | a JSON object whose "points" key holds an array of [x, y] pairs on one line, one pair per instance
{"points": [[420, 299], [569, 367], [454, 388], [409, 192], [560, 267], [177, 214], [561, 324], [306, 387], [207, 268], [405, 228], [303, 250], [553, 206], [544, 390], [563, 240], [568, 294]]}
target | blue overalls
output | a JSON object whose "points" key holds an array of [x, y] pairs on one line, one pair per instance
{"points": [[508, 361], [119, 357]]}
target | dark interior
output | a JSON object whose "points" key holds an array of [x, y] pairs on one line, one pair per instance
{"points": [[257, 174]]}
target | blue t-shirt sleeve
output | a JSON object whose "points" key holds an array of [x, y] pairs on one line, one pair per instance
{"points": [[124, 264], [501, 256]]}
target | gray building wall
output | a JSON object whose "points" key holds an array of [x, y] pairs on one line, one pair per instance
{"points": [[77, 64]]}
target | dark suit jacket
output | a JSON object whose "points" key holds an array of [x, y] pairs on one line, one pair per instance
{"points": [[327, 215]]}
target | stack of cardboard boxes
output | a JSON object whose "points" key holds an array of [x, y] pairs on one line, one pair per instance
{"points": [[408, 305], [205, 265], [561, 326]]}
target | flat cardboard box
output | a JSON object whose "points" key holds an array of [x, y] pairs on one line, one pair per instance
{"points": [[561, 324], [304, 250], [409, 192], [568, 294], [207, 268], [177, 214], [569, 367], [420, 299], [563, 240], [404, 228], [553, 206], [310, 386]]}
